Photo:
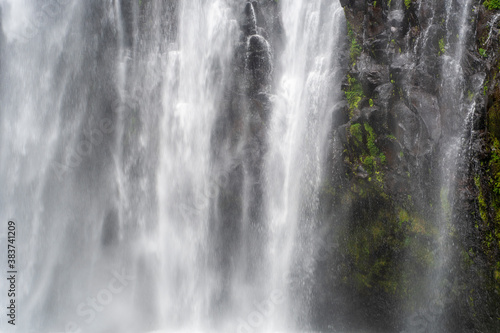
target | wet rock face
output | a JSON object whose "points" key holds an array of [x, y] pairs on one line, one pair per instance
{"points": [[371, 74], [408, 123], [240, 136], [258, 65], [249, 21], [404, 98], [426, 107]]}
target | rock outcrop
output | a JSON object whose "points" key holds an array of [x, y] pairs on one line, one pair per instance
{"points": [[419, 110]]}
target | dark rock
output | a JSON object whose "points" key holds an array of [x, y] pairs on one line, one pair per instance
{"points": [[261, 105], [371, 74], [378, 46], [409, 129], [249, 21], [340, 113], [259, 16], [400, 66], [384, 92], [376, 117], [342, 133], [259, 65], [427, 107], [395, 17], [424, 75], [476, 81]]}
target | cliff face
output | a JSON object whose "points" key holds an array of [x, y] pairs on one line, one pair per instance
{"points": [[413, 191], [240, 144]]}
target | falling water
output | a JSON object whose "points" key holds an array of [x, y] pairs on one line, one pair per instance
{"points": [[299, 137], [108, 118], [449, 128], [164, 160]]}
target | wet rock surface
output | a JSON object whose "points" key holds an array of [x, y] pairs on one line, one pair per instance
{"points": [[413, 97]]}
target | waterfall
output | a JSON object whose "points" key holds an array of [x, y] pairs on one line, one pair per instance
{"points": [[452, 127], [239, 166], [299, 143], [109, 113]]}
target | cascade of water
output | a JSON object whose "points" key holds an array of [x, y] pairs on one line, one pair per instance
{"points": [[108, 120], [105, 114], [58, 156], [492, 23], [198, 70], [450, 124], [299, 137], [164, 160]]}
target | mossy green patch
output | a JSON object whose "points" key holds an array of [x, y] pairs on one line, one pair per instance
{"points": [[442, 46], [353, 93], [355, 47], [356, 132], [370, 140], [492, 4]]}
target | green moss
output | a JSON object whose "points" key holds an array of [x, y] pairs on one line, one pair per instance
{"points": [[356, 48], [369, 163], [495, 166], [371, 102], [353, 93], [483, 207], [470, 95], [492, 4], [494, 118], [488, 200], [403, 216], [442, 46], [363, 151], [482, 52], [380, 236], [370, 140], [356, 132], [407, 4]]}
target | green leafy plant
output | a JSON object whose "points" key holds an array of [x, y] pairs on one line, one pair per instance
{"points": [[441, 46], [355, 49], [355, 131], [370, 140], [492, 4], [494, 165], [353, 93]]}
